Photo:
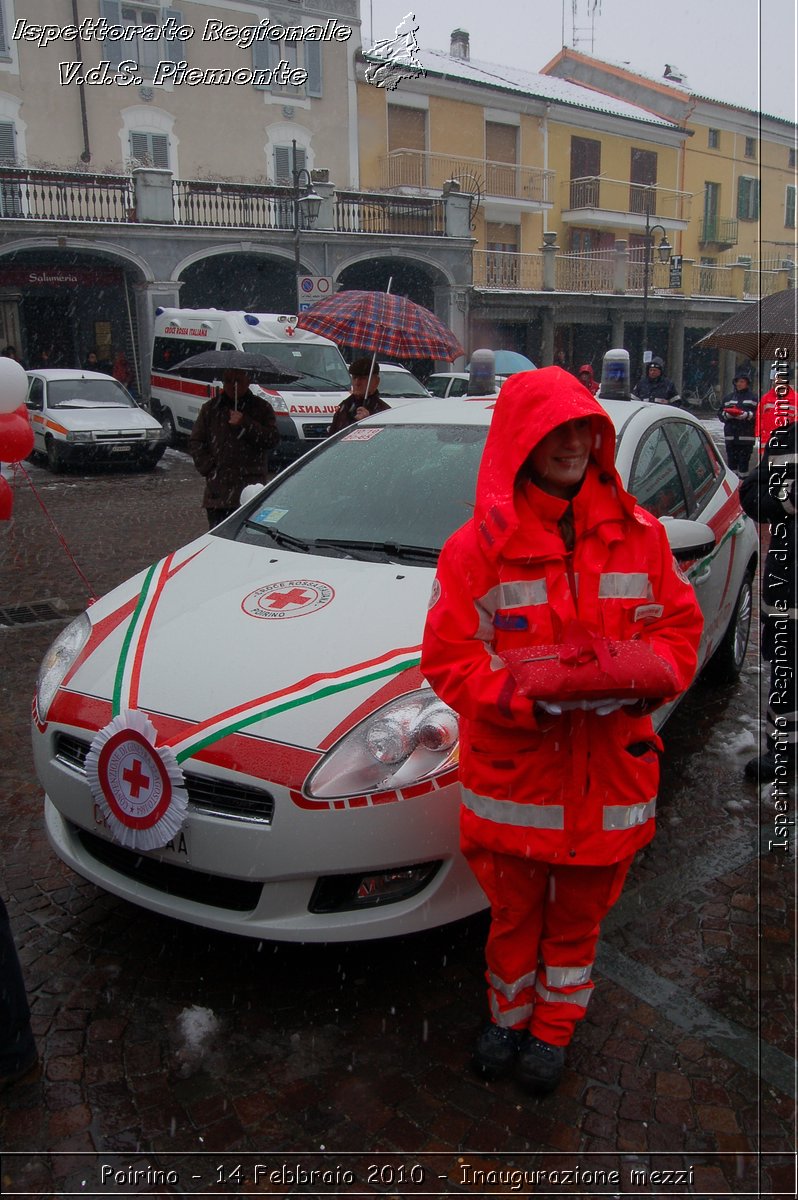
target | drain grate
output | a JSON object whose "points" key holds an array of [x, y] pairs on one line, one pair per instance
{"points": [[37, 613]]}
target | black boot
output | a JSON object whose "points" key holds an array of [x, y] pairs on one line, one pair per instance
{"points": [[495, 1050], [539, 1066]]}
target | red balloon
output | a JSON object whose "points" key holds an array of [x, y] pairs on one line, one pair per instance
{"points": [[6, 499], [16, 436]]}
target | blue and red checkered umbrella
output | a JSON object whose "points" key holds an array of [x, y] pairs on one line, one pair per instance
{"points": [[383, 323]]}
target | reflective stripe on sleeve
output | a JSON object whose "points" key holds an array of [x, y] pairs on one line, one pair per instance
{"points": [[511, 990], [509, 812], [560, 977], [622, 585], [581, 998], [510, 1016], [626, 816]]}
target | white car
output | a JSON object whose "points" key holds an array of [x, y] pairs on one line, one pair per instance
{"points": [[270, 670], [85, 416], [398, 383], [455, 383]]}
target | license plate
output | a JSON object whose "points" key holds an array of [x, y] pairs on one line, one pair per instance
{"points": [[177, 850], [120, 449]]}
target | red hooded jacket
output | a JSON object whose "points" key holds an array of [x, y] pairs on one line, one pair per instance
{"points": [[579, 788]]}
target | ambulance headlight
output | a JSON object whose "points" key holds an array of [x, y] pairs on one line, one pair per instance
{"points": [[57, 661], [410, 739], [278, 404]]}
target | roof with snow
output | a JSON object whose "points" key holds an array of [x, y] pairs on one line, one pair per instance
{"points": [[514, 79]]}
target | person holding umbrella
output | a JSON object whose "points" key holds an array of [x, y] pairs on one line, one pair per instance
{"points": [[364, 400], [229, 443]]}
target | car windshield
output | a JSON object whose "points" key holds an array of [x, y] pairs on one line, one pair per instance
{"points": [[400, 383], [394, 489], [437, 384], [322, 367], [88, 393]]}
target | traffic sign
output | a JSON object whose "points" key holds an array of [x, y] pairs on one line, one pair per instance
{"points": [[311, 288]]}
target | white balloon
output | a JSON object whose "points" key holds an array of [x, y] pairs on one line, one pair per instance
{"points": [[13, 384]]}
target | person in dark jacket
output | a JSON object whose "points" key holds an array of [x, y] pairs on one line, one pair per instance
{"points": [[18, 1054], [364, 400], [654, 385], [738, 416], [768, 495], [229, 441]]}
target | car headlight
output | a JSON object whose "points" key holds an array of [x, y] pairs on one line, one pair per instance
{"points": [[57, 661], [79, 435], [277, 402], [155, 435], [411, 738]]}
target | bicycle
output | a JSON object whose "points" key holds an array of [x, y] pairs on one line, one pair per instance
{"points": [[703, 397]]}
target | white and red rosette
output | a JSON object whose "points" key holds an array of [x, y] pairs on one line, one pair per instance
{"points": [[138, 786]]}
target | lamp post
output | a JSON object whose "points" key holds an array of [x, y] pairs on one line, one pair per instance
{"points": [[306, 207], [663, 250]]}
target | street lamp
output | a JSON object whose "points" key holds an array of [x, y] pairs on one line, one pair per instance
{"points": [[306, 206], [663, 250]]}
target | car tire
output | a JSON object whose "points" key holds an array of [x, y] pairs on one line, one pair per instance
{"points": [[726, 663], [150, 461], [169, 427], [54, 455]]}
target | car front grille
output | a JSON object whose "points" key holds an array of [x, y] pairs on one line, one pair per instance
{"points": [[238, 895], [128, 435], [213, 797], [315, 432]]}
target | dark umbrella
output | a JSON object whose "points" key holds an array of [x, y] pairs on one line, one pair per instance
{"points": [[212, 363], [383, 323], [760, 329]]}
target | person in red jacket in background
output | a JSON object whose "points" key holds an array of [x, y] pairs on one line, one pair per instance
{"points": [[585, 376], [777, 408], [556, 796]]}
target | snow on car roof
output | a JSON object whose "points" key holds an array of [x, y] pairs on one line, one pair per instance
{"points": [[478, 410]]}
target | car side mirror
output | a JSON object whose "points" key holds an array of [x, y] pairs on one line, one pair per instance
{"points": [[689, 540]]}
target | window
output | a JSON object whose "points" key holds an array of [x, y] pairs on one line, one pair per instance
{"points": [[35, 398], [141, 16], [701, 461], [643, 178], [304, 56], [791, 156], [750, 147], [713, 139], [789, 207], [284, 164], [585, 169], [501, 242], [5, 49], [747, 198], [149, 149], [501, 147], [10, 190], [655, 481], [407, 143]]}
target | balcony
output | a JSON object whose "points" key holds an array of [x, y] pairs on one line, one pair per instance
{"points": [[418, 170], [508, 270], [65, 196], [719, 232], [596, 202]]}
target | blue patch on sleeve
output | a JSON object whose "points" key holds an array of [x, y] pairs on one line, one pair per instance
{"points": [[510, 621]]}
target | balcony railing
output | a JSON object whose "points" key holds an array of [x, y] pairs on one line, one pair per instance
{"points": [[233, 205], [717, 231], [622, 197], [422, 170], [591, 272], [370, 212], [65, 195], [508, 270]]}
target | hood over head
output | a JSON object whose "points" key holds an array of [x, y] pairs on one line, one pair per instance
{"points": [[586, 369], [531, 404], [742, 374]]}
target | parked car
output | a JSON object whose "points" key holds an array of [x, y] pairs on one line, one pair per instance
{"points": [[277, 662], [454, 383], [85, 416], [398, 383]]}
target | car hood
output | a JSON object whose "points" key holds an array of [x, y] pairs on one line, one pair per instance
{"points": [[112, 419], [224, 631]]}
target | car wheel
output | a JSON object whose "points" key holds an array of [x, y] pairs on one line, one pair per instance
{"points": [[727, 661], [150, 461], [54, 453], [169, 427]]}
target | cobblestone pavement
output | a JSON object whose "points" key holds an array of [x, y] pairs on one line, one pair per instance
{"points": [[353, 1060]]}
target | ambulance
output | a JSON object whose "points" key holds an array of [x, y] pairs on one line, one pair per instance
{"points": [[304, 409]]}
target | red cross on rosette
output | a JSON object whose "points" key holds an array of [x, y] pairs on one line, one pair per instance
{"points": [[138, 787]]}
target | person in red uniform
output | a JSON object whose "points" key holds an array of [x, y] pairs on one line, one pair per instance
{"points": [[557, 796], [585, 376], [777, 408]]}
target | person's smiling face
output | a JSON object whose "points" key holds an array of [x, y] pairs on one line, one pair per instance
{"points": [[558, 463]]}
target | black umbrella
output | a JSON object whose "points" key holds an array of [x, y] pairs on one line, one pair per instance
{"points": [[759, 329], [210, 364]]}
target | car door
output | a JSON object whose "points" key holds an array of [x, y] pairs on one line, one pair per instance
{"points": [[34, 402]]}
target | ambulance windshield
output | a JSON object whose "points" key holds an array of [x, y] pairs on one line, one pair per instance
{"points": [[323, 369]]}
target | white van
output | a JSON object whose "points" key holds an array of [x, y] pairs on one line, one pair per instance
{"points": [[304, 409]]}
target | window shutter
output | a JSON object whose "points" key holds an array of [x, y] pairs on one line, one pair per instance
{"points": [[789, 208], [264, 58], [3, 39], [8, 148], [742, 198], [139, 147], [755, 199], [313, 57], [160, 150], [174, 50], [112, 51], [282, 165]]}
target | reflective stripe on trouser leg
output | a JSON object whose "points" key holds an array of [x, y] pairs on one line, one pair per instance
{"points": [[515, 888], [577, 900]]}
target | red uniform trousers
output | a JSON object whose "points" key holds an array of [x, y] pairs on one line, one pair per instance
{"points": [[545, 922]]}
